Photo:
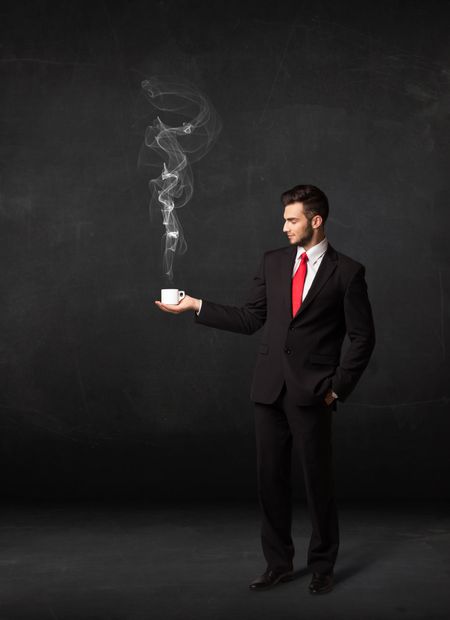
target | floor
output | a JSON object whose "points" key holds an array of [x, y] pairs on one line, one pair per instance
{"points": [[194, 561]]}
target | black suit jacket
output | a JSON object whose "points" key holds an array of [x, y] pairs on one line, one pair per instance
{"points": [[305, 350]]}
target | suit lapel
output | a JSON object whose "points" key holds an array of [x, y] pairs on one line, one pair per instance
{"points": [[326, 268]]}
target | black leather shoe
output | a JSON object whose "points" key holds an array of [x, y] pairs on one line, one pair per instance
{"points": [[321, 583], [270, 578]]}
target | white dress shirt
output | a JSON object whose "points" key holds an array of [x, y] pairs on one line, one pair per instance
{"points": [[315, 255]]}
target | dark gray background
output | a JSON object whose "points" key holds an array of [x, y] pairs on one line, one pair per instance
{"points": [[104, 395]]}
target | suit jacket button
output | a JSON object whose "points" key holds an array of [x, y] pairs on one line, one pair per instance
{"points": [[288, 350]]}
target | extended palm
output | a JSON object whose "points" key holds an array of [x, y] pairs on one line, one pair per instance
{"points": [[188, 303]]}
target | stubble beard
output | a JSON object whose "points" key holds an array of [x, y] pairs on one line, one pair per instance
{"points": [[306, 237]]}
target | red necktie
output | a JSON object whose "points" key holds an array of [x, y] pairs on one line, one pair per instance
{"points": [[298, 282]]}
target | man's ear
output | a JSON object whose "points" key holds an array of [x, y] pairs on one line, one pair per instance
{"points": [[317, 221]]}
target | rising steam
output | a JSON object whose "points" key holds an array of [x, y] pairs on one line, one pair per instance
{"points": [[179, 145]]}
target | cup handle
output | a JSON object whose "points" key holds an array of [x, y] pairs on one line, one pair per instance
{"points": [[181, 295]]}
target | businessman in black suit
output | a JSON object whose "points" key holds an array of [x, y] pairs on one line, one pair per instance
{"points": [[307, 297]]}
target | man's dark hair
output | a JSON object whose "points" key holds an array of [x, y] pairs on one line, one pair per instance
{"points": [[314, 200]]}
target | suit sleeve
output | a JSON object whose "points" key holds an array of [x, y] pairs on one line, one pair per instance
{"points": [[361, 332], [245, 319]]}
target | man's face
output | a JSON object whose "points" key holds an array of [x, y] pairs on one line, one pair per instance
{"points": [[297, 227]]}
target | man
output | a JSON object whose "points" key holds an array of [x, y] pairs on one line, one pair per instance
{"points": [[307, 296]]}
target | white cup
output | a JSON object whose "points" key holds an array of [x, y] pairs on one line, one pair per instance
{"points": [[172, 296]]}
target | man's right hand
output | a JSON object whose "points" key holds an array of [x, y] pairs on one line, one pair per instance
{"points": [[188, 303]]}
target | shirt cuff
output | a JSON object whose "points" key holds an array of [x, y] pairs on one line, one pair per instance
{"points": [[199, 310], [334, 395]]}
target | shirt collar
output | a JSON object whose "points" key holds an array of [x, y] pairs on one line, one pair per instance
{"points": [[315, 252]]}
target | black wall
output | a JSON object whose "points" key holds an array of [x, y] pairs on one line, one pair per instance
{"points": [[101, 393]]}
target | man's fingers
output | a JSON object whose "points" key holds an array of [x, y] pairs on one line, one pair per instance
{"points": [[167, 308], [329, 398], [184, 305]]}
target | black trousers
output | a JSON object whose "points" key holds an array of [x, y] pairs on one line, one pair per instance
{"points": [[281, 427]]}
